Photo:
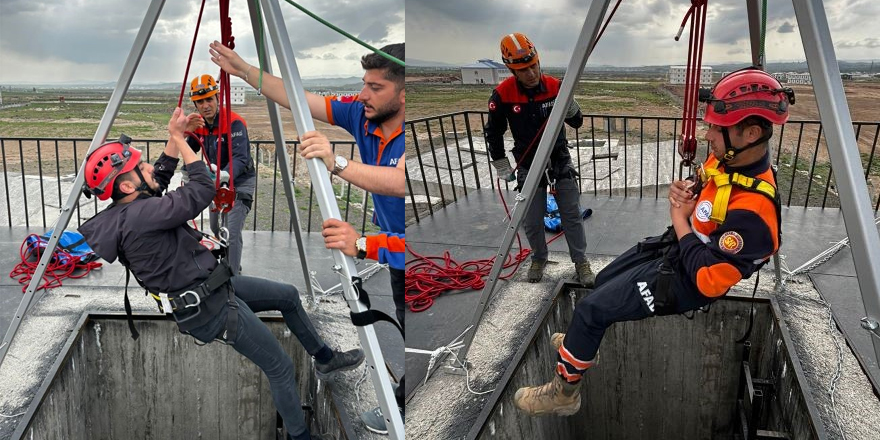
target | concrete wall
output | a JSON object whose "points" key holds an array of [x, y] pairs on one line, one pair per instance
{"points": [[163, 386], [670, 377]]}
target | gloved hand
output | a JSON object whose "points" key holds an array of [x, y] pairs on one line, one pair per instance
{"points": [[224, 175], [572, 110], [505, 172]]}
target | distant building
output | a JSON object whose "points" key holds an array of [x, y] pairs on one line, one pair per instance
{"points": [[846, 76], [238, 95], [677, 75], [484, 72], [723, 74], [799, 78], [780, 76]]}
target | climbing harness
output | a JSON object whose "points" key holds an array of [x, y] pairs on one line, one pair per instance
{"points": [[688, 148]]}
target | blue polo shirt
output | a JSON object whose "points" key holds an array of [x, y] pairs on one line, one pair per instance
{"points": [[376, 149]]}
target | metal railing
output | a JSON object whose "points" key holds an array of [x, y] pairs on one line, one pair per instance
{"points": [[38, 174], [617, 155]]}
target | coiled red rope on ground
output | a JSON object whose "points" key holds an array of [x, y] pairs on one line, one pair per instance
{"points": [[61, 266], [427, 277]]}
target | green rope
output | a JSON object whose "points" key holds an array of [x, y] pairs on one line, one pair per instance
{"points": [[763, 29], [350, 37]]}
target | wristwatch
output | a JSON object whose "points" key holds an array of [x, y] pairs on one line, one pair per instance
{"points": [[361, 245], [340, 165]]}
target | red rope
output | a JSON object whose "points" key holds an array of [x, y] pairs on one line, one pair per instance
{"points": [[697, 14], [191, 50], [225, 94], [61, 266]]}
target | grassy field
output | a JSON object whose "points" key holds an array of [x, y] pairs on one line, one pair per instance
{"points": [[144, 115], [594, 96]]}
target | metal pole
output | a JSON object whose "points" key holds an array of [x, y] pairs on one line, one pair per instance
{"points": [[281, 154], [754, 13], [327, 202], [755, 38], [844, 152], [585, 41], [128, 69]]}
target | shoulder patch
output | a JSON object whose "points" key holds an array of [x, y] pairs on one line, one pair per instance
{"points": [[703, 211], [731, 242]]}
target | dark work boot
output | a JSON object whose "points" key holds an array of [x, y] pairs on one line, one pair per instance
{"points": [[536, 270], [341, 361]]}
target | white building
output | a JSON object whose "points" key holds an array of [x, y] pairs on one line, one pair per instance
{"points": [[677, 75], [238, 95], [799, 78], [780, 76], [484, 72]]}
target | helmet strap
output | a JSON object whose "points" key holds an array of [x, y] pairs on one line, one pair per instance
{"points": [[730, 152], [143, 187]]}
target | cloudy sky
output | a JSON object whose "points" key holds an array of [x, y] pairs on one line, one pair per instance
{"points": [[641, 32], [89, 40]]}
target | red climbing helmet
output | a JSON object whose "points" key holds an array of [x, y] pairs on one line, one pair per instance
{"points": [[107, 162], [518, 52], [744, 93]]}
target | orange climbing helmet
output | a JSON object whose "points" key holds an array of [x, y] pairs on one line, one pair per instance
{"points": [[518, 52], [202, 87], [744, 93]]}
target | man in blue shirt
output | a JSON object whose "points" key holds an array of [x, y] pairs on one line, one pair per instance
{"points": [[375, 118]]}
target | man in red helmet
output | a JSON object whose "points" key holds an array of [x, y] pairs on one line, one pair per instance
{"points": [[725, 226], [149, 234], [524, 102]]}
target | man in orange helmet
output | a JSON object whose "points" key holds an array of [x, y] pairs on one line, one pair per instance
{"points": [[524, 102], [206, 127], [149, 233], [725, 226]]}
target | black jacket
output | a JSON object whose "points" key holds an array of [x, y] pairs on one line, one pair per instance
{"points": [[152, 234], [525, 111]]}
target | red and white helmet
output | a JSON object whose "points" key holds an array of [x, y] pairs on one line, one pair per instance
{"points": [[108, 162], [744, 93], [517, 51]]}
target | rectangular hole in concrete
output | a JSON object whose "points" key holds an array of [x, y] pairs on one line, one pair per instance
{"points": [[671, 377], [107, 386]]}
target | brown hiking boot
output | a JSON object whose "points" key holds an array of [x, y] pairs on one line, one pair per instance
{"points": [[584, 273], [536, 270], [556, 340], [555, 397]]}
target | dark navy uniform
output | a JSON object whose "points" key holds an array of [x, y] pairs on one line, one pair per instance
{"points": [[707, 263], [526, 112]]}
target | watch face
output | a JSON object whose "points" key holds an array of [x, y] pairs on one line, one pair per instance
{"points": [[341, 162]]}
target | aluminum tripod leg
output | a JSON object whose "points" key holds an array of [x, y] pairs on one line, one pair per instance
{"points": [[282, 157], [754, 14], [585, 41], [131, 63], [344, 265], [845, 159]]}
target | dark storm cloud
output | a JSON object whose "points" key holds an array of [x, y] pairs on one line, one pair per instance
{"points": [[99, 33], [785, 28], [867, 42]]}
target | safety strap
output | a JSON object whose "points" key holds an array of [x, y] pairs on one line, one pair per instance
{"points": [[369, 316], [725, 183]]}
